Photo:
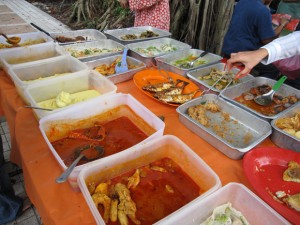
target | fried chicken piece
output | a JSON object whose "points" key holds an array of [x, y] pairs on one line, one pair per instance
{"points": [[102, 188], [292, 173], [103, 199], [293, 201], [114, 210], [134, 180], [126, 206]]}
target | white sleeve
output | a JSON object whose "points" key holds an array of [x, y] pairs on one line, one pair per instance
{"points": [[283, 47]]}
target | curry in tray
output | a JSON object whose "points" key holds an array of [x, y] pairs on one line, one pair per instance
{"points": [[111, 134], [144, 195], [279, 104]]}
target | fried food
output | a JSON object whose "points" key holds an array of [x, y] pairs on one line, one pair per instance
{"points": [[293, 201], [103, 199], [215, 75], [126, 206], [170, 92], [134, 180], [290, 125], [145, 34], [198, 112], [129, 37], [109, 69], [148, 34], [178, 98], [64, 39], [292, 173]]}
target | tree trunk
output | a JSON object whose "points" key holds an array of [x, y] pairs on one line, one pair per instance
{"points": [[199, 23]]}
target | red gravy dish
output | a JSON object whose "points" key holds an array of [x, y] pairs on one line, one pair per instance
{"points": [[110, 133], [279, 103], [144, 195]]}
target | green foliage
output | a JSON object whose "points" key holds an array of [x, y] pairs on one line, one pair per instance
{"points": [[119, 11]]}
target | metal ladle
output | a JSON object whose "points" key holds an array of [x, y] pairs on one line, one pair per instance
{"points": [[12, 40], [64, 176], [266, 99]]}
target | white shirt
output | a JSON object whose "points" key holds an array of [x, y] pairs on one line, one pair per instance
{"points": [[283, 47]]}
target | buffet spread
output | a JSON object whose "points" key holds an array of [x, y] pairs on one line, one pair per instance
{"points": [[141, 176]]}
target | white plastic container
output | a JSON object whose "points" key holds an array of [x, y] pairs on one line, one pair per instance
{"points": [[30, 54], [88, 80], [66, 66], [255, 210], [88, 109], [140, 155]]}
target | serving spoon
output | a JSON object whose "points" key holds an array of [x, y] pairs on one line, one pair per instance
{"points": [[80, 155], [191, 64], [14, 40], [266, 99]]}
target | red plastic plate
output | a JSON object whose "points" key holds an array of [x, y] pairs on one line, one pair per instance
{"points": [[264, 169]]}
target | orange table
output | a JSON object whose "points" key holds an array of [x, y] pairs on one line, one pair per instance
{"points": [[57, 203]]}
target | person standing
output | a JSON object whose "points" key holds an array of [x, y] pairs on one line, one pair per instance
{"points": [[155, 13], [251, 28]]}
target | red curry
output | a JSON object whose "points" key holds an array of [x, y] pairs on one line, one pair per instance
{"points": [[153, 201], [120, 134]]}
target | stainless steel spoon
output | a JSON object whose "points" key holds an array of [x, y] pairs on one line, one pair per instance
{"points": [[266, 99], [34, 107], [64, 176]]}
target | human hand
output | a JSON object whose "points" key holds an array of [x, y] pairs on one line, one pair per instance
{"points": [[124, 3], [249, 59], [284, 21]]}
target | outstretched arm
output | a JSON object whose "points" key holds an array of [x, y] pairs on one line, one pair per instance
{"points": [[280, 48], [248, 59]]}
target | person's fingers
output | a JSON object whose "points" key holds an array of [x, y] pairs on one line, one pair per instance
{"points": [[242, 73]]}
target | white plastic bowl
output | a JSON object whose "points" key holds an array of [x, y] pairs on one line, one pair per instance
{"points": [[143, 154]]}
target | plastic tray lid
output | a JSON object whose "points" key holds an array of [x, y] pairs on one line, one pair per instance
{"points": [[165, 146]]}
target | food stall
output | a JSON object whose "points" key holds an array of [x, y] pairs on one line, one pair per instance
{"points": [[60, 204]]}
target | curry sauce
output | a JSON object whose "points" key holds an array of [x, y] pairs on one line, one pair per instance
{"points": [[163, 187], [120, 134]]}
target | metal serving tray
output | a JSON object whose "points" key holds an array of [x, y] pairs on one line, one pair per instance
{"points": [[118, 33], [165, 61], [103, 44], [233, 92], [88, 34], [195, 74], [118, 77], [242, 126], [282, 138], [150, 61]]}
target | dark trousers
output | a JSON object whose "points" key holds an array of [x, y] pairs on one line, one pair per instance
{"points": [[261, 70], [10, 204]]}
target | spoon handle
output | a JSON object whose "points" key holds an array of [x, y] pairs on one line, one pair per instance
{"points": [[278, 84], [4, 35], [203, 54], [124, 56], [64, 176]]}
